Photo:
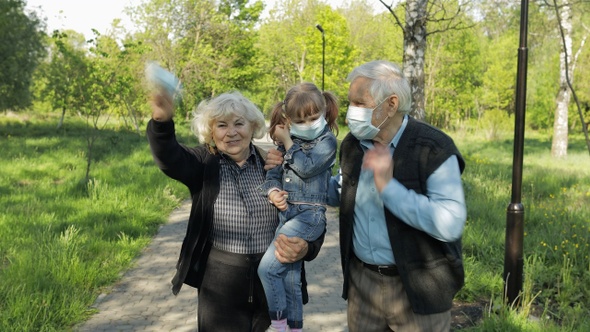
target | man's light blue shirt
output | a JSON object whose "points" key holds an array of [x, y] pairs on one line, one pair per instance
{"points": [[441, 212]]}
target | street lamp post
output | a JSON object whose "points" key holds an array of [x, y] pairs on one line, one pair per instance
{"points": [[513, 261], [323, 52]]}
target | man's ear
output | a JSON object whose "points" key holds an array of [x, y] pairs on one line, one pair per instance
{"points": [[392, 105]]}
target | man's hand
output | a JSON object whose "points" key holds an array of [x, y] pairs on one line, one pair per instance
{"points": [[274, 158], [162, 106], [279, 199], [290, 249], [378, 159]]}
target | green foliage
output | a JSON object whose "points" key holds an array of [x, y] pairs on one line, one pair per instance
{"points": [[499, 78], [373, 36], [63, 73], [219, 46], [543, 79], [22, 48], [540, 110], [496, 124], [208, 45], [291, 51], [455, 66]]}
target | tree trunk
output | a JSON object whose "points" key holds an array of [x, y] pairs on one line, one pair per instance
{"points": [[560, 124], [132, 115], [61, 119], [414, 51]]}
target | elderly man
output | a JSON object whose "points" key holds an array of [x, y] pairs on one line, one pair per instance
{"points": [[402, 209]]}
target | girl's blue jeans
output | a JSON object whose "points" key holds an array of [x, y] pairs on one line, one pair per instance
{"points": [[282, 282]]}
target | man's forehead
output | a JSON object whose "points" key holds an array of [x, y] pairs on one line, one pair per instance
{"points": [[359, 88]]}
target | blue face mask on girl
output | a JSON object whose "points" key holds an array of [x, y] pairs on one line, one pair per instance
{"points": [[311, 131]]}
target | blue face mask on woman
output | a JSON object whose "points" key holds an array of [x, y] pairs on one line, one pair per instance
{"points": [[311, 131]]}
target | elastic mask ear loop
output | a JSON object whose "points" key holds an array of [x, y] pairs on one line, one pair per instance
{"points": [[379, 126], [386, 116]]}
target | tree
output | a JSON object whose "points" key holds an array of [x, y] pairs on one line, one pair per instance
{"points": [[567, 62], [21, 51], [208, 44], [418, 13], [543, 69], [290, 49], [97, 94], [124, 59], [454, 76], [63, 72], [370, 36], [560, 125]]}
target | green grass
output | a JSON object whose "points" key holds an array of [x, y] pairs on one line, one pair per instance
{"points": [[556, 198], [64, 240]]}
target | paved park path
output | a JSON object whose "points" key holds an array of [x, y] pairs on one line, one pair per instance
{"points": [[143, 301]]}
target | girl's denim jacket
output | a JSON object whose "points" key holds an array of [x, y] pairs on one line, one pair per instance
{"points": [[306, 169]]}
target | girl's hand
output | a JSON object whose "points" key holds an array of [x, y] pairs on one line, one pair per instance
{"points": [[282, 134], [279, 199]]}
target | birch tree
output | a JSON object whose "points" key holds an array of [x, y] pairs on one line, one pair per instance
{"points": [[417, 14], [567, 65], [560, 124]]}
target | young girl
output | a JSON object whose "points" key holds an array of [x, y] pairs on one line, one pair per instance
{"points": [[301, 126]]}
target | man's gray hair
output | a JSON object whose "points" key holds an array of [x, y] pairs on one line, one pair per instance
{"points": [[388, 79]]}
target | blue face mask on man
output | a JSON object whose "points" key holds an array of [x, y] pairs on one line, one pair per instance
{"points": [[360, 122], [310, 131]]}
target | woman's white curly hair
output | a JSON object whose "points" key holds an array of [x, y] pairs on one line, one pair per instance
{"points": [[227, 104]]}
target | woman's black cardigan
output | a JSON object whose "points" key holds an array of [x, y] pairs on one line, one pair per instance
{"points": [[198, 169]]}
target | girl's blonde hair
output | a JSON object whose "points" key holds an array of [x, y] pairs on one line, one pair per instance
{"points": [[302, 100]]}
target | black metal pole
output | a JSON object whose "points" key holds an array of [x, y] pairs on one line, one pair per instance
{"points": [[513, 261], [323, 52]]}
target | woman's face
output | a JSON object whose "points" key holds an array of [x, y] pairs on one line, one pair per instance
{"points": [[232, 135]]}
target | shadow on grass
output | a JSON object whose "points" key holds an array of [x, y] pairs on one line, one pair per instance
{"points": [[45, 138]]}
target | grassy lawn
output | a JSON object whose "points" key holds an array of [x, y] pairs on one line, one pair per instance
{"points": [[64, 239], [556, 198]]}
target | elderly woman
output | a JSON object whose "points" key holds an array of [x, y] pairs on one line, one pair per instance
{"points": [[230, 225]]}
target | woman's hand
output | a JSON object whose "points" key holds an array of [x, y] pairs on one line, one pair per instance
{"points": [[274, 158], [162, 106], [290, 249]]}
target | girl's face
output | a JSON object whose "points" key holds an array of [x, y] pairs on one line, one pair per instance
{"points": [[232, 136], [305, 120]]}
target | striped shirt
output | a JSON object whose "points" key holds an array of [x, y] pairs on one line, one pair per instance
{"points": [[243, 220]]}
